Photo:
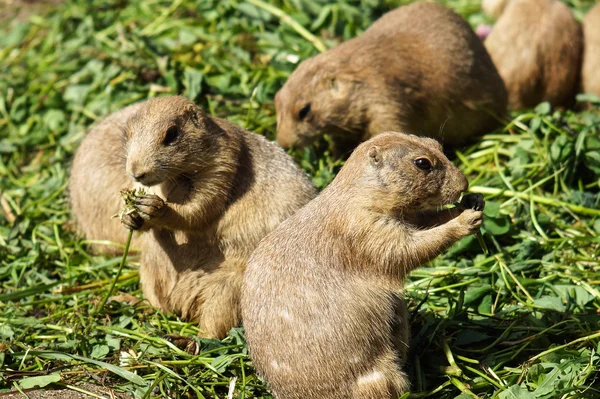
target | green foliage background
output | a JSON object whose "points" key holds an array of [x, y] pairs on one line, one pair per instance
{"points": [[521, 321]]}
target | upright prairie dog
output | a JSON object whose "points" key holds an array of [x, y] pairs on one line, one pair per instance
{"points": [[590, 71], [321, 299], [419, 69], [536, 46], [215, 190]]}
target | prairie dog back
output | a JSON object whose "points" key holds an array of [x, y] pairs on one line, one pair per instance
{"points": [[97, 176], [536, 46], [418, 69], [590, 78]]}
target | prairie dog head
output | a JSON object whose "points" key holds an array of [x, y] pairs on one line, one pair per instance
{"points": [[403, 174], [168, 138], [316, 99]]}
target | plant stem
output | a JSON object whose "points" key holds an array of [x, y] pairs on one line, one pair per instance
{"points": [[116, 278], [283, 17], [536, 198], [556, 348]]}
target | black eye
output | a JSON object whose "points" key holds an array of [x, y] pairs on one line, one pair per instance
{"points": [[171, 135], [304, 111], [423, 163]]}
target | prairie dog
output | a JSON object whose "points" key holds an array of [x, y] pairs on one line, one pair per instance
{"points": [[590, 78], [419, 69], [321, 298], [215, 190], [536, 46]]}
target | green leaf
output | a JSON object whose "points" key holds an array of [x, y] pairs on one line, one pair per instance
{"points": [[40, 381], [550, 303], [6, 333], [254, 12], [100, 351], [474, 294], [575, 293], [597, 226], [76, 93], [466, 337], [543, 108], [121, 372], [113, 343], [485, 307], [492, 209], [496, 226], [192, 83], [516, 392]]}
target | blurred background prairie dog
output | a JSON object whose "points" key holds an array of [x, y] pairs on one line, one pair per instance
{"points": [[214, 191], [419, 69], [590, 71], [321, 300], [536, 46]]}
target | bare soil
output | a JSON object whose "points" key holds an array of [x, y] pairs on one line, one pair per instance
{"points": [[99, 391]]}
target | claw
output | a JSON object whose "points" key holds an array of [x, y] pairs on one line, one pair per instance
{"points": [[133, 221], [186, 344]]}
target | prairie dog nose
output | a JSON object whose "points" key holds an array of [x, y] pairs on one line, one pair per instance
{"points": [[135, 171], [464, 183], [139, 177]]}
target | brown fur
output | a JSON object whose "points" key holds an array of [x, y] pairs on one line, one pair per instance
{"points": [[224, 190], [536, 46], [97, 175], [590, 71], [494, 8], [321, 299], [419, 69]]}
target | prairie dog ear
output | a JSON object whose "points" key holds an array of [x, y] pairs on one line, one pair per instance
{"points": [[195, 114], [374, 155], [337, 86], [200, 119]]}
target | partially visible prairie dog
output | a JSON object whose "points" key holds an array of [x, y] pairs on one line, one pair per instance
{"points": [[536, 46], [590, 71], [494, 8], [97, 176], [215, 190], [321, 299], [419, 69]]}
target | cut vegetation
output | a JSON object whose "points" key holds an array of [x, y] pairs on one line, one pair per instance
{"points": [[521, 321]]}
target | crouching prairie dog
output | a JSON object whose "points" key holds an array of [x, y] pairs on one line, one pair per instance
{"points": [[536, 46], [321, 299], [419, 69], [590, 71], [214, 191]]}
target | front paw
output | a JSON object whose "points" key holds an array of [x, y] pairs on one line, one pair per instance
{"points": [[187, 344], [472, 201], [132, 220], [469, 221], [149, 207]]}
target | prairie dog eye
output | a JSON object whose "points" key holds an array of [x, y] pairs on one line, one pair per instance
{"points": [[171, 135], [423, 164], [304, 111]]}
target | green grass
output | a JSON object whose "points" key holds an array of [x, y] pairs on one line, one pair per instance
{"points": [[519, 322]]}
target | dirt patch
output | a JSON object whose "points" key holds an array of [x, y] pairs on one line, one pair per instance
{"points": [[98, 391], [21, 10]]}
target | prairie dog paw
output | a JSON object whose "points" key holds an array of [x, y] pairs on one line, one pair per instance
{"points": [[472, 201], [132, 221], [469, 221], [149, 206]]}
